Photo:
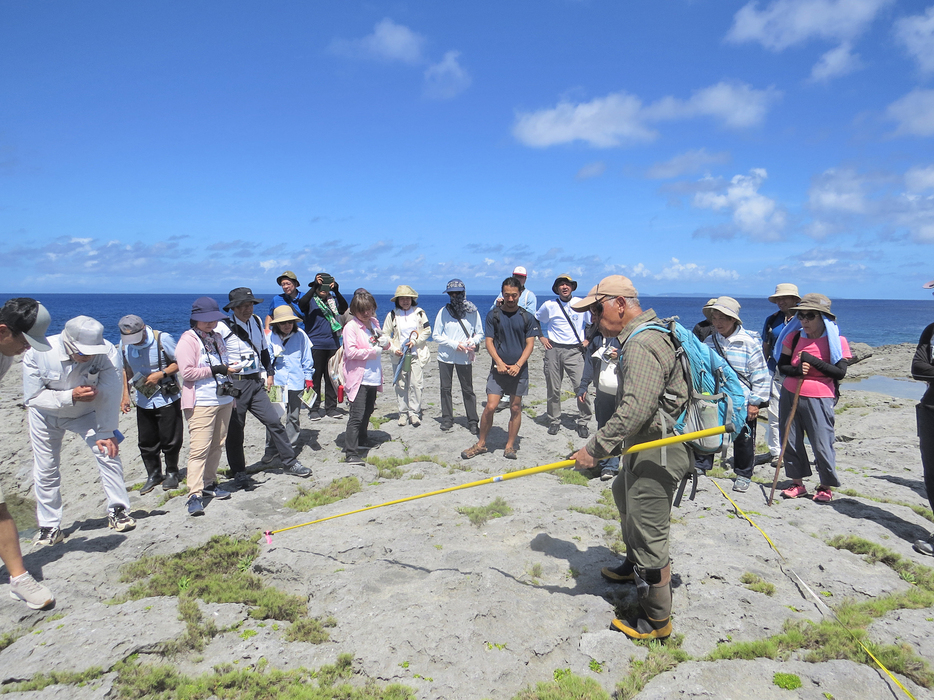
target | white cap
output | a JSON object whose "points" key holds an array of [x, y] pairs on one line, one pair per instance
{"points": [[520, 271]]}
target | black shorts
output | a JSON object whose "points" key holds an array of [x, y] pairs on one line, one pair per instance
{"points": [[503, 385]]}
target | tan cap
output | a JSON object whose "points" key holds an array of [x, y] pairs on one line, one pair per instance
{"points": [[785, 289], [612, 286], [728, 306]]}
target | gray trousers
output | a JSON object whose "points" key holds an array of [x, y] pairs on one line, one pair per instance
{"points": [[814, 418], [293, 425], [560, 362], [253, 398]]}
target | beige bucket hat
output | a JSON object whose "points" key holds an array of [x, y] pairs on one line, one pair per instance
{"points": [[815, 302], [284, 313], [404, 290], [728, 306], [785, 289]]}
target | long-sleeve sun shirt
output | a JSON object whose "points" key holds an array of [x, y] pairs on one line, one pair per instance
{"points": [[743, 352]]}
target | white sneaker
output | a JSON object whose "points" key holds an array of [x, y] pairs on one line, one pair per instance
{"points": [[48, 536], [31, 592], [403, 419], [413, 419]]}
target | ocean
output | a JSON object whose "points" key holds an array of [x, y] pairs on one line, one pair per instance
{"points": [[871, 321]]}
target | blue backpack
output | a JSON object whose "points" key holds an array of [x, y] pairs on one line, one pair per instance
{"points": [[715, 394]]}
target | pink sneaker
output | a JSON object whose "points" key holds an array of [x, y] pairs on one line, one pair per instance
{"points": [[795, 490], [823, 496]]}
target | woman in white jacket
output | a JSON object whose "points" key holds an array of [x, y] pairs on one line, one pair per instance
{"points": [[408, 330], [458, 332], [292, 359]]}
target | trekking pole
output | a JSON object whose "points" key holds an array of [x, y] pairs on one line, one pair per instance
{"points": [[654, 444], [781, 455]]}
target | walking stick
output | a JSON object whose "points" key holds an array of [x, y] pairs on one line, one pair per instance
{"points": [[641, 447], [781, 455]]}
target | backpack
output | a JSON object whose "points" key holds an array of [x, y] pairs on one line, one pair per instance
{"points": [[715, 395]]}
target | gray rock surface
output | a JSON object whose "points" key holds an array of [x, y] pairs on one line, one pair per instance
{"points": [[424, 598]]}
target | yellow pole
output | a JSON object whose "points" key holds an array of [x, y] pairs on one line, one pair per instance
{"points": [[641, 447]]}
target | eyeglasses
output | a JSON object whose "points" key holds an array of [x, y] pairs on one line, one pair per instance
{"points": [[809, 316]]}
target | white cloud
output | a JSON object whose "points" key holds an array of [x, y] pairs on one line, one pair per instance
{"points": [[591, 170], [620, 118], [836, 62], [753, 214], [916, 34], [914, 113], [785, 23], [838, 191], [686, 163], [690, 272], [268, 265], [447, 78], [920, 179], [388, 42]]}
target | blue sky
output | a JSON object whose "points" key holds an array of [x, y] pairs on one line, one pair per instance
{"points": [[699, 147]]}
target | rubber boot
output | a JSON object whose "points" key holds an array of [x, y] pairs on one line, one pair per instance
{"points": [[654, 621], [154, 472], [624, 573]]}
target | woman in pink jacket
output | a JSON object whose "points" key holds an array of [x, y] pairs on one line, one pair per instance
{"points": [[363, 371], [207, 400]]}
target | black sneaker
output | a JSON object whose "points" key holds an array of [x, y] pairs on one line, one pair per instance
{"points": [[242, 480], [118, 519], [170, 482], [554, 428], [353, 458], [446, 426], [215, 491], [582, 431], [151, 483]]}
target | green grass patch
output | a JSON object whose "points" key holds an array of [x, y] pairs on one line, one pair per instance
{"points": [[337, 490], [479, 515], [44, 680], [169, 495], [925, 513], [786, 681], [217, 572], [566, 686], [227, 682], [377, 421], [613, 534], [757, 584], [921, 576], [310, 630], [7, 638], [663, 656], [573, 477], [605, 508]]}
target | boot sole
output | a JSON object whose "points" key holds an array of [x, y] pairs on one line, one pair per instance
{"points": [[621, 626], [616, 578]]}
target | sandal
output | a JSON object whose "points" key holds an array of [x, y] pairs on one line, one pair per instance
{"points": [[795, 490], [510, 453], [477, 449], [823, 496]]}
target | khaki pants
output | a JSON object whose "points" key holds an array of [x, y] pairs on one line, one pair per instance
{"points": [[558, 363], [207, 432], [644, 491], [409, 387]]}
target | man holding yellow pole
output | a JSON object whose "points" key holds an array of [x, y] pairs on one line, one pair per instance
{"points": [[652, 388]]}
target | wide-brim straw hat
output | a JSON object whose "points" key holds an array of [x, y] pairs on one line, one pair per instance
{"points": [[284, 313], [815, 302], [564, 278], [785, 289], [728, 306], [404, 290]]}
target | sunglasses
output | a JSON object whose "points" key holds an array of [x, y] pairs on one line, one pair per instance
{"points": [[809, 316]]}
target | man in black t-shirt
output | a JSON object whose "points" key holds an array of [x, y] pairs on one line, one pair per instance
{"points": [[510, 338]]}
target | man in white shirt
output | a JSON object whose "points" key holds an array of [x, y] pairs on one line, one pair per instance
{"points": [[248, 348], [23, 323], [564, 341], [75, 386]]}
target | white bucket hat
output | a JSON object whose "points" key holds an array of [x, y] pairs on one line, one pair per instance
{"points": [[785, 289]]}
